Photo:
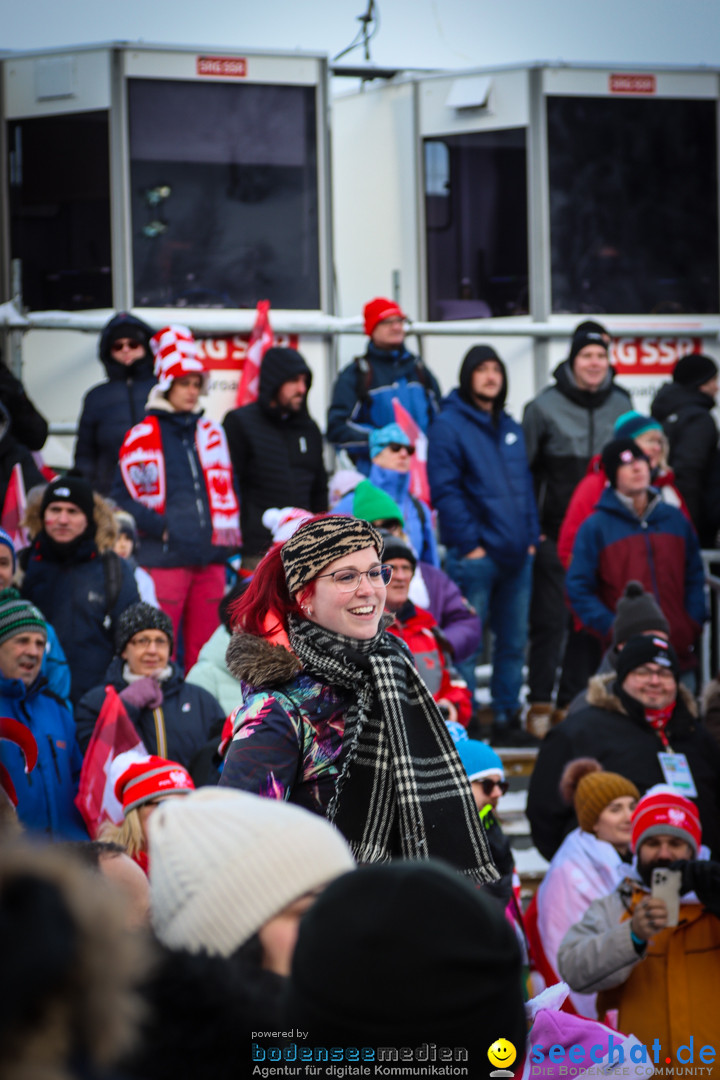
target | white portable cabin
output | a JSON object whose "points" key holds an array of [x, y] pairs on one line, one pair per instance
{"points": [[185, 184], [531, 197]]}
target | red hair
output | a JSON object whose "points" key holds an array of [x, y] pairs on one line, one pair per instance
{"points": [[264, 607]]}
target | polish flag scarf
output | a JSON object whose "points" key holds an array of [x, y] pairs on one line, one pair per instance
{"points": [[142, 463]]}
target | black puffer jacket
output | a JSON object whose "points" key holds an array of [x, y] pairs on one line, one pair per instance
{"points": [[612, 729], [687, 420], [277, 457], [13, 453], [188, 717], [113, 407]]}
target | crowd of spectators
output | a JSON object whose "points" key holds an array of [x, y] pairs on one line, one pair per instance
{"points": [[296, 823]]}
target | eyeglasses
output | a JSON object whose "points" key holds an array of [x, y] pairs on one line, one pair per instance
{"points": [[348, 580], [664, 674], [396, 447], [145, 642], [489, 785], [125, 343]]}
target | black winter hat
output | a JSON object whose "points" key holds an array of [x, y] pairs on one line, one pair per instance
{"points": [[474, 358], [620, 452], [694, 369], [397, 548], [637, 612], [646, 649], [582, 338], [70, 489], [402, 929], [139, 617]]}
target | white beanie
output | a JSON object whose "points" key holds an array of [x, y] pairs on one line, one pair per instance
{"points": [[223, 862]]}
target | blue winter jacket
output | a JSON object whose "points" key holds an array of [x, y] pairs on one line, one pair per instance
{"points": [[480, 482], [353, 413], [187, 511], [417, 518], [46, 795], [71, 595]]}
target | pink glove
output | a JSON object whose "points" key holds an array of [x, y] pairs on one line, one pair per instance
{"points": [[144, 694]]}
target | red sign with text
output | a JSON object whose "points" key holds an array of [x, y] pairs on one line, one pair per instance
{"points": [[633, 84], [234, 67], [651, 356], [228, 353]]}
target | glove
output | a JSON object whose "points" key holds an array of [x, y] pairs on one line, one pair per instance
{"points": [[144, 694], [702, 877]]}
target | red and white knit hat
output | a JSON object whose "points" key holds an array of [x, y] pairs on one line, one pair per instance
{"points": [[175, 352], [151, 779], [661, 811]]}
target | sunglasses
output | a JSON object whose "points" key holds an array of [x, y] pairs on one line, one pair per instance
{"points": [[489, 785], [125, 343], [396, 447]]}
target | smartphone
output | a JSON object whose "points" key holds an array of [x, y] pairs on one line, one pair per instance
{"points": [[666, 884]]}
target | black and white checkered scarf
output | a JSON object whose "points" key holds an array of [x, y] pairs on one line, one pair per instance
{"points": [[402, 791]]}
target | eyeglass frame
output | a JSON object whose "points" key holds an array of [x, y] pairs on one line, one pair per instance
{"points": [[127, 343], [396, 447], [666, 674], [384, 569], [146, 642]]}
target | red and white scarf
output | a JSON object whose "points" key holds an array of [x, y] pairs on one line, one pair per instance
{"points": [[142, 463]]}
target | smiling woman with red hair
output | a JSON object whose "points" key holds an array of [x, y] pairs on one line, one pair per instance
{"points": [[336, 717]]}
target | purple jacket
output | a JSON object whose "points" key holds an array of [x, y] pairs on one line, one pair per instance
{"points": [[456, 618]]}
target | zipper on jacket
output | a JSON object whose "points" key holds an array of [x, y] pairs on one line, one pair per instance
{"points": [[198, 497], [53, 751]]}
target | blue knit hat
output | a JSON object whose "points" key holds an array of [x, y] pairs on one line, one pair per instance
{"points": [[382, 437], [479, 759], [7, 540], [633, 423]]}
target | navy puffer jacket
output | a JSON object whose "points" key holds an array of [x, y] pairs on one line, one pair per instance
{"points": [[480, 482], [188, 717], [110, 409]]}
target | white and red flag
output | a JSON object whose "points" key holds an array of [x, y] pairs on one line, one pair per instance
{"points": [[13, 510], [261, 340], [419, 485], [114, 745]]}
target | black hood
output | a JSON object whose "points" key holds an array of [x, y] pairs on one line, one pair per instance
{"points": [[279, 366], [476, 356], [672, 397], [126, 325]]}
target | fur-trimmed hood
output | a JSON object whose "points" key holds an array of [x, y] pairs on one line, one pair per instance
{"points": [[259, 663], [600, 695], [106, 529]]}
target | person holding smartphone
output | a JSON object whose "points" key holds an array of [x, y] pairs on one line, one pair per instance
{"points": [[660, 977]]}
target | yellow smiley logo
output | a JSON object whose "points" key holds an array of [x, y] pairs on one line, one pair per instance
{"points": [[502, 1053]]}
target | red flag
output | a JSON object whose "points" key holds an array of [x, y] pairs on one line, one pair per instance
{"points": [[13, 510], [114, 735], [261, 340], [419, 485]]}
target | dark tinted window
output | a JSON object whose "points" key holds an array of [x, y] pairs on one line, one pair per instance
{"points": [[224, 194], [60, 210], [476, 225], [633, 205]]}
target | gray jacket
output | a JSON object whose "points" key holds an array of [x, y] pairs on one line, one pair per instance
{"points": [[597, 953]]}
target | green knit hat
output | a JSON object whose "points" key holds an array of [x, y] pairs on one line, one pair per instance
{"points": [[371, 503], [18, 616]]}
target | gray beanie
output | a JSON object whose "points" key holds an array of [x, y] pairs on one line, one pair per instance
{"points": [[139, 617], [224, 862], [637, 612]]}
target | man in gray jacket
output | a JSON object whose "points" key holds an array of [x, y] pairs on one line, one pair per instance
{"points": [[564, 426]]}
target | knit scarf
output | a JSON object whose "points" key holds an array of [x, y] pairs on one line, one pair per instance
{"points": [[142, 464], [402, 790]]}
